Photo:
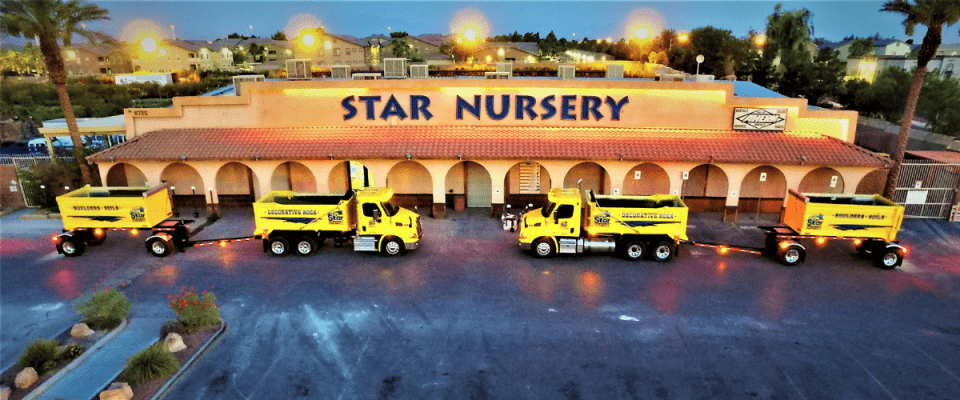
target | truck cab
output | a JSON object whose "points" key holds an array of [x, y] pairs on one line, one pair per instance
{"points": [[383, 226], [559, 219]]}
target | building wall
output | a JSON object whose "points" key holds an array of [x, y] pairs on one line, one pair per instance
{"points": [[8, 179], [81, 62], [165, 59]]}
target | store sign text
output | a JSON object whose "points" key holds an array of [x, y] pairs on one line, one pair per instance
{"points": [[495, 107]]}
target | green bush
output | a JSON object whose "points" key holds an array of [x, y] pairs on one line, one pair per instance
{"points": [[196, 312], [105, 310], [71, 352], [41, 355], [151, 363], [172, 327]]}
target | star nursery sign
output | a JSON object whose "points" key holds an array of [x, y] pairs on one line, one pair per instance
{"points": [[759, 119]]}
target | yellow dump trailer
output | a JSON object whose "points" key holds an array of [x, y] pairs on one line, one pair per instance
{"points": [[89, 212], [629, 225]]}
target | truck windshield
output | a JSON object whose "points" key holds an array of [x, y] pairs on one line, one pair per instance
{"points": [[548, 209], [389, 208]]}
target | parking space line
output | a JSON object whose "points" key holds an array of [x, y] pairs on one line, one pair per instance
{"points": [[866, 370], [944, 368]]}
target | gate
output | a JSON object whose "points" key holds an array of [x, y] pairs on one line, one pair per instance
{"points": [[927, 189]]}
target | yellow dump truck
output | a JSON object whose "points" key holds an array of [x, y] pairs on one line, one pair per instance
{"points": [[299, 222], [628, 225], [89, 212]]}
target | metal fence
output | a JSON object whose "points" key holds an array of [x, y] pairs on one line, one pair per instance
{"points": [[927, 189]]}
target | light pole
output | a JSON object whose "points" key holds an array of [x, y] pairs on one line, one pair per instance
{"points": [[699, 60]]}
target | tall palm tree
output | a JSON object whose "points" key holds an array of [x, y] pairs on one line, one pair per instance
{"points": [[51, 21], [934, 14]]}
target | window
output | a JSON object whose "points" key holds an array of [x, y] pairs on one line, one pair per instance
{"points": [[100, 59], [272, 52], [347, 51], [368, 209], [336, 52], [191, 55], [565, 211]]}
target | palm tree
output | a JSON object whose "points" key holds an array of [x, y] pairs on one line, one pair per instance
{"points": [[51, 21], [934, 14]]}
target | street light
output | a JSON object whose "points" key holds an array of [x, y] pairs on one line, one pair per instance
{"points": [[699, 60], [760, 40]]}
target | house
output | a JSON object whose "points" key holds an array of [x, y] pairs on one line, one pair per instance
{"points": [[518, 52], [168, 56], [333, 49], [86, 59], [867, 68], [890, 47]]}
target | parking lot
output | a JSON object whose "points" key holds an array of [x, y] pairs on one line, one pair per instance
{"points": [[469, 316]]}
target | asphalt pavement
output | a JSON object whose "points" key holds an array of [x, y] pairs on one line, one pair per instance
{"points": [[470, 316]]}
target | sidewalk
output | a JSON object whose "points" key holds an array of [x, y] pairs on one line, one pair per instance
{"points": [[96, 372]]}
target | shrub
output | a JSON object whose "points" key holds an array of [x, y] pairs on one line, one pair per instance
{"points": [[172, 327], [71, 352], [105, 310], [41, 355], [151, 363], [195, 311]]}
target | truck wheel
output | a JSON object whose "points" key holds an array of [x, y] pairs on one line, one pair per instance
{"points": [[279, 246], [543, 248], [306, 246], [391, 247], [70, 246], [791, 256], [889, 258], [633, 251], [159, 246], [663, 251]]}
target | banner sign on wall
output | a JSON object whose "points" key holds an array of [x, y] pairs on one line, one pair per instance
{"points": [[759, 119]]}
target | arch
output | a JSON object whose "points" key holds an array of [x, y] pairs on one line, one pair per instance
{"points": [[182, 178], [411, 183], [236, 184], [469, 181], [123, 174], [594, 177], [706, 188], [526, 183], [294, 176], [872, 183], [349, 174], [653, 179], [766, 196], [821, 180]]}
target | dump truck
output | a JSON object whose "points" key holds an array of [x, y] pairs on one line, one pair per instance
{"points": [[299, 222], [628, 225], [89, 212]]}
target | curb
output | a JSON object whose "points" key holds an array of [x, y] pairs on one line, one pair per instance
{"points": [[76, 363], [176, 377], [39, 215]]}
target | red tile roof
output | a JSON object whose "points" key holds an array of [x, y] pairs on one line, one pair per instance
{"points": [[427, 142], [948, 157]]}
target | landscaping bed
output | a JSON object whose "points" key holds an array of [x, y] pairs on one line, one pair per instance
{"points": [[194, 341]]}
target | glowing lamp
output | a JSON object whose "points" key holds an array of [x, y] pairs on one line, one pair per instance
{"points": [[55, 238], [784, 245], [470, 34], [724, 250], [98, 231], [904, 250], [148, 45], [821, 240], [134, 231], [223, 244], [857, 241], [309, 40]]}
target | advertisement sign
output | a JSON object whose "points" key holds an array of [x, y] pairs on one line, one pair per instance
{"points": [[162, 79], [759, 119]]}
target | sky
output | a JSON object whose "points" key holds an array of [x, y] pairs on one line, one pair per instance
{"points": [[209, 20]]}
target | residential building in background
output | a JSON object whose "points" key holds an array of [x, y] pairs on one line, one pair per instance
{"points": [[86, 60], [517, 52]]}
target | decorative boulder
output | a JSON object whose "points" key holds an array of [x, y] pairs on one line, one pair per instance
{"points": [[5, 393], [80, 330], [117, 391], [173, 343], [26, 378]]}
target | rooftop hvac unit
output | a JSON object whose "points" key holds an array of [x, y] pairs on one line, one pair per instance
{"points": [[615, 71], [567, 72], [496, 75], [340, 72], [505, 67], [366, 76], [245, 78], [394, 67], [298, 69], [419, 71]]}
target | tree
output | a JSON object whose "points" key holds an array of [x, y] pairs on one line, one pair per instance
{"points": [[934, 14], [239, 56], [861, 47], [828, 73], [50, 21], [400, 48], [399, 34], [279, 36], [939, 104], [256, 52], [716, 46]]}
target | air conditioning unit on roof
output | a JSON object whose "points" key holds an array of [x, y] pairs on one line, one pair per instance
{"points": [[245, 78], [340, 72], [394, 67], [298, 70], [505, 67], [370, 76], [496, 75], [419, 71], [567, 71], [615, 71]]}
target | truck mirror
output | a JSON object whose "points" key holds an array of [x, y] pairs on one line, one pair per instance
{"points": [[556, 218], [376, 214]]}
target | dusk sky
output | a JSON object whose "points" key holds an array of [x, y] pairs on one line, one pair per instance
{"points": [[208, 20]]}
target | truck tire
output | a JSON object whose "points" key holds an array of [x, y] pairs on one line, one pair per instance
{"points": [[543, 248], [633, 251], [663, 251], [391, 247], [70, 246], [889, 258], [791, 256], [306, 246], [159, 246], [278, 246]]}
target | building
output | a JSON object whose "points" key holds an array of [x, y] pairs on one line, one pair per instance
{"points": [[331, 49], [169, 56], [86, 60], [867, 68], [519, 52], [727, 147], [890, 47]]}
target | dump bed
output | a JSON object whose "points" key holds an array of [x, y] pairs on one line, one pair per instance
{"points": [[115, 207], [660, 214], [284, 210], [861, 216]]}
